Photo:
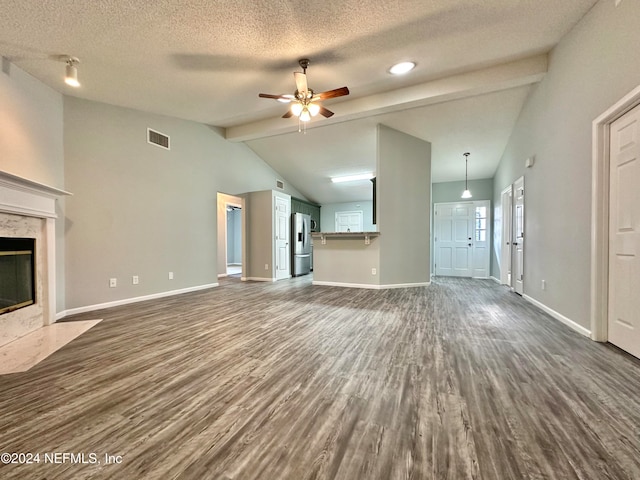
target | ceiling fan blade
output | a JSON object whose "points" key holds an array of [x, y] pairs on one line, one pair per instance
{"points": [[301, 81], [337, 92], [325, 112], [275, 97], [288, 114]]}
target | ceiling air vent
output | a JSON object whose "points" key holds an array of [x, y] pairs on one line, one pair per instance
{"points": [[280, 184], [157, 138]]}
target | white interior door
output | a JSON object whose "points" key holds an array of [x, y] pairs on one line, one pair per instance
{"points": [[481, 239], [517, 266], [624, 233], [453, 239], [282, 229], [505, 240], [349, 221]]}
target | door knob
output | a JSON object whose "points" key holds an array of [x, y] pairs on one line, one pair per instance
{"points": [[515, 243], [469, 244]]}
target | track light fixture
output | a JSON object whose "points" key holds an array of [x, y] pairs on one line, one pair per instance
{"points": [[71, 71]]}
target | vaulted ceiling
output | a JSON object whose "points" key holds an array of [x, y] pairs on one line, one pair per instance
{"points": [[207, 61]]}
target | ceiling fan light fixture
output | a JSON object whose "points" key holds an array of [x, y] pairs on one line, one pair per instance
{"points": [[314, 108], [303, 101], [402, 68]]}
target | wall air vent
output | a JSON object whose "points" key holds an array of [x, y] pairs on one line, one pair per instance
{"points": [[280, 184], [157, 138]]}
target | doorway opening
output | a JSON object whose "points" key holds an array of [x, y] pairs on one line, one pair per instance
{"points": [[231, 235]]}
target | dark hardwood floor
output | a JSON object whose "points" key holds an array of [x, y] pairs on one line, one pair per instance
{"points": [[458, 380]]}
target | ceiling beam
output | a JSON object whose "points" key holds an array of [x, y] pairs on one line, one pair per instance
{"points": [[501, 77]]}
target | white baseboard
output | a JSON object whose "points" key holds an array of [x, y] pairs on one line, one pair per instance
{"points": [[497, 280], [125, 301], [258, 279], [558, 316], [369, 285], [220, 275]]}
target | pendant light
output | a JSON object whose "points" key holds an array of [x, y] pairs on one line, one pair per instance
{"points": [[466, 193]]}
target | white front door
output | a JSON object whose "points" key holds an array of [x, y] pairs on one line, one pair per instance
{"points": [[624, 233], [349, 221], [481, 244], [505, 240], [517, 266], [453, 238], [282, 221]]}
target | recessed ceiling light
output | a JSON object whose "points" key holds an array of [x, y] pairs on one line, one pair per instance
{"points": [[402, 68], [352, 178]]}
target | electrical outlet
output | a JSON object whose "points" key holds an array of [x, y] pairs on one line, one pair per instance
{"points": [[170, 275], [135, 279], [266, 266], [113, 282], [374, 271], [544, 284]]}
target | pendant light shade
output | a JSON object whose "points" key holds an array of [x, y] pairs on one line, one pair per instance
{"points": [[314, 108], [305, 116], [466, 193]]}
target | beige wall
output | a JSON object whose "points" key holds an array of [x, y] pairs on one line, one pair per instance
{"points": [[346, 260], [141, 210], [401, 254], [593, 66], [31, 144], [404, 199]]}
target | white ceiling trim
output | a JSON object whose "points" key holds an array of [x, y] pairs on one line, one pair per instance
{"points": [[508, 75]]}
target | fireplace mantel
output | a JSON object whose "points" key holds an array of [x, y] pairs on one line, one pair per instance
{"points": [[22, 196], [28, 209]]}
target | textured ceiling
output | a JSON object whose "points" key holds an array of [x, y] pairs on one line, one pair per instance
{"points": [[207, 60]]}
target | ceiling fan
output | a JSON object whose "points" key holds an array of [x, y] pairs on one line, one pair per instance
{"points": [[304, 101]]}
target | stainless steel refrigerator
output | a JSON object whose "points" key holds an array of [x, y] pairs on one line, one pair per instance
{"points": [[301, 244]]}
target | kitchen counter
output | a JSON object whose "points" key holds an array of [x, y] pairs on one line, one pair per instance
{"points": [[324, 235]]}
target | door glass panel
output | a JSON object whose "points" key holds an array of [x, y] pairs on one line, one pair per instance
{"points": [[519, 223], [481, 224]]}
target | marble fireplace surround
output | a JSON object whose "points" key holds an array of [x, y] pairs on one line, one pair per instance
{"points": [[28, 209]]}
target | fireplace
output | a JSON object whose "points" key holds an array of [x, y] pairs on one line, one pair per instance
{"points": [[17, 273], [27, 255]]}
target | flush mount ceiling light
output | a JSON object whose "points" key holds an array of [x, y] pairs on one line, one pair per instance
{"points": [[352, 178], [71, 71], [402, 68], [466, 193]]}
